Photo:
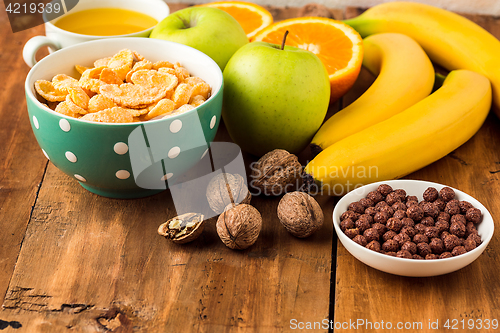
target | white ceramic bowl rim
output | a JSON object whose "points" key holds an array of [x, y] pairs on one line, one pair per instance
{"points": [[403, 184], [62, 31], [122, 42]]}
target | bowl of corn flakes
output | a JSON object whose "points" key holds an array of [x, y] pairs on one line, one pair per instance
{"points": [[126, 116]]}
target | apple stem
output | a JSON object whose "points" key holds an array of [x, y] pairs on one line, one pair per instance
{"points": [[284, 40]]}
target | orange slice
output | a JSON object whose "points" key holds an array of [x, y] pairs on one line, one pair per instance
{"points": [[338, 46], [253, 18]]}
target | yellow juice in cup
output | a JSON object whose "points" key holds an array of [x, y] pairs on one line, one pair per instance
{"points": [[105, 22]]}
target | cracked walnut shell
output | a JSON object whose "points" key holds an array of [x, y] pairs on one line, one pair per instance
{"points": [[225, 189], [275, 172], [239, 227], [300, 214], [183, 228]]}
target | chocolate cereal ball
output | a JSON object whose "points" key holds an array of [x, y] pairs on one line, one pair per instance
{"points": [[401, 238], [375, 196], [464, 206], [362, 225], [381, 217], [444, 234], [347, 224], [365, 202], [417, 257], [371, 234], [458, 250], [431, 256], [410, 231], [381, 229], [351, 233], [450, 242], [470, 228], [415, 213], [423, 249], [436, 245], [431, 232], [447, 194], [412, 198], [361, 240], [420, 238], [384, 189], [420, 228], [430, 194], [427, 221], [356, 207], [410, 203], [401, 193], [476, 238], [442, 225], [388, 235], [408, 222], [388, 210], [410, 247], [392, 198], [469, 244], [445, 255], [390, 246], [374, 246], [390, 253], [473, 215], [404, 254], [443, 216], [399, 214], [457, 229], [371, 211], [380, 205], [367, 217], [458, 218], [452, 207], [349, 214], [440, 203], [430, 209], [399, 206], [394, 224]]}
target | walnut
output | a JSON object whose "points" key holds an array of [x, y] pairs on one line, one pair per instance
{"points": [[276, 172], [300, 214], [183, 228], [225, 189], [239, 227]]}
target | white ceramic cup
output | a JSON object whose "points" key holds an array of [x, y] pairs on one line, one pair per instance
{"points": [[56, 38]]}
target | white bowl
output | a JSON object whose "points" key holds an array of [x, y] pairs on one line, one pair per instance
{"points": [[411, 267]]}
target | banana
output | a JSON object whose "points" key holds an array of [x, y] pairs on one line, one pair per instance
{"points": [[408, 141], [405, 76], [449, 39]]}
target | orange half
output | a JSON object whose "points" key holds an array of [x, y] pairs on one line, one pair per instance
{"points": [[253, 18], [339, 47]]}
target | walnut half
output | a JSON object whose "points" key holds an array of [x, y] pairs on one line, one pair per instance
{"points": [[183, 228]]}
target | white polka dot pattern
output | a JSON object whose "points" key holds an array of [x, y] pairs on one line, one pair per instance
{"points": [[71, 157]]}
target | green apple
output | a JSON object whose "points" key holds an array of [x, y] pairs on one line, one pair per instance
{"points": [[274, 98], [210, 30]]}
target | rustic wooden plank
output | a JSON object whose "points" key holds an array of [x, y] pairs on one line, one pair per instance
{"points": [[363, 293], [92, 264], [22, 163]]}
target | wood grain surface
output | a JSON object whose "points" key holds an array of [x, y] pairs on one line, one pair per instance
{"points": [[72, 261]]}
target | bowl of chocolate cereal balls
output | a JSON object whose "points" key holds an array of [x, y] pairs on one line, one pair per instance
{"points": [[412, 228]]}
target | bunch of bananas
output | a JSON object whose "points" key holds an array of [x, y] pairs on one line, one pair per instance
{"points": [[398, 126]]}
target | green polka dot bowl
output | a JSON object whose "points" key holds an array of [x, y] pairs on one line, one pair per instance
{"points": [[129, 160]]}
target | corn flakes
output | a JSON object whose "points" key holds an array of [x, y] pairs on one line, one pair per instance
{"points": [[124, 88]]}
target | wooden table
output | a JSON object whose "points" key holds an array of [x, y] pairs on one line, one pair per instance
{"points": [[74, 261]]}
